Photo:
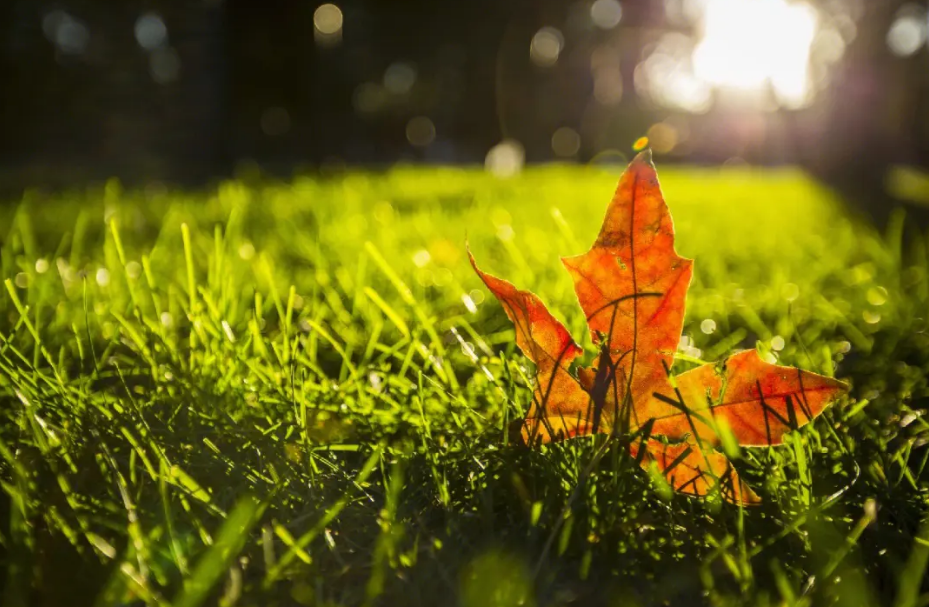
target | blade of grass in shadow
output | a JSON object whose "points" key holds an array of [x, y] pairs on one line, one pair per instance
{"points": [[913, 574], [326, 519], [229, 542]]}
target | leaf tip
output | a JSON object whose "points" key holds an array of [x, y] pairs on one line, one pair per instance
{"points": [[471, 258], [644, 157]]}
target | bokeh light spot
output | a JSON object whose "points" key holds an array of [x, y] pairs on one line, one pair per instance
{"points": [[368, 97], [828, 46], [566, 142], [908, 31], [687, 348], [68, 34], [505, 232], [399, 78], [546, 47], [246, 250], [150, 31], [506, 158], [133, 269], [494, 579], [662, 137], [608, 86], [421, 258], [877, 296], [420, 131], [328, 19], [606, 14], [613, 159], [667, 76], [275, 121], [164, 65], [708, 326], [790, 291]]}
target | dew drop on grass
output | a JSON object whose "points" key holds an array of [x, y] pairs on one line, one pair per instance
{"points": [[872, 318], [877, 296], [469, 303], [467, 348], [844, 347], [41, 265], [708, 326], [21, 280], [227, 329], [777, 343], [871, 508]]}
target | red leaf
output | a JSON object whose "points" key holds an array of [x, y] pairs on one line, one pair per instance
{"points": [[632, 286], [549, 345], [693, 471], [758, 401]]}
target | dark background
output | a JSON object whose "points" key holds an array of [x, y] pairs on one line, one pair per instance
{"points": [[253, 83]]}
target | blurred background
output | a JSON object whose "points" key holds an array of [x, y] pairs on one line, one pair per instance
{"points": [[187, 92]]}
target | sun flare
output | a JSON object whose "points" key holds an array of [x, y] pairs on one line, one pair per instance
{"points": [[749, 45]]}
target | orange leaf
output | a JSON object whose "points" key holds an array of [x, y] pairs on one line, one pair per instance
{"points": [[632, 285], [693, 471], [759, 402], [549, 345]]}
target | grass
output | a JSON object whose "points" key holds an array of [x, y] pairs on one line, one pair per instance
{"points": [[299, 393]]}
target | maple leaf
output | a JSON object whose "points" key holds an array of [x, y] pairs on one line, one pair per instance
{"points": [[632, 285]]}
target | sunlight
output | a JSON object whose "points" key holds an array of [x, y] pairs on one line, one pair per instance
{"points": [[749, 45]]}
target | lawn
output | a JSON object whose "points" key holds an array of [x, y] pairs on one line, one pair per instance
{"points": [[299, 394]]}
